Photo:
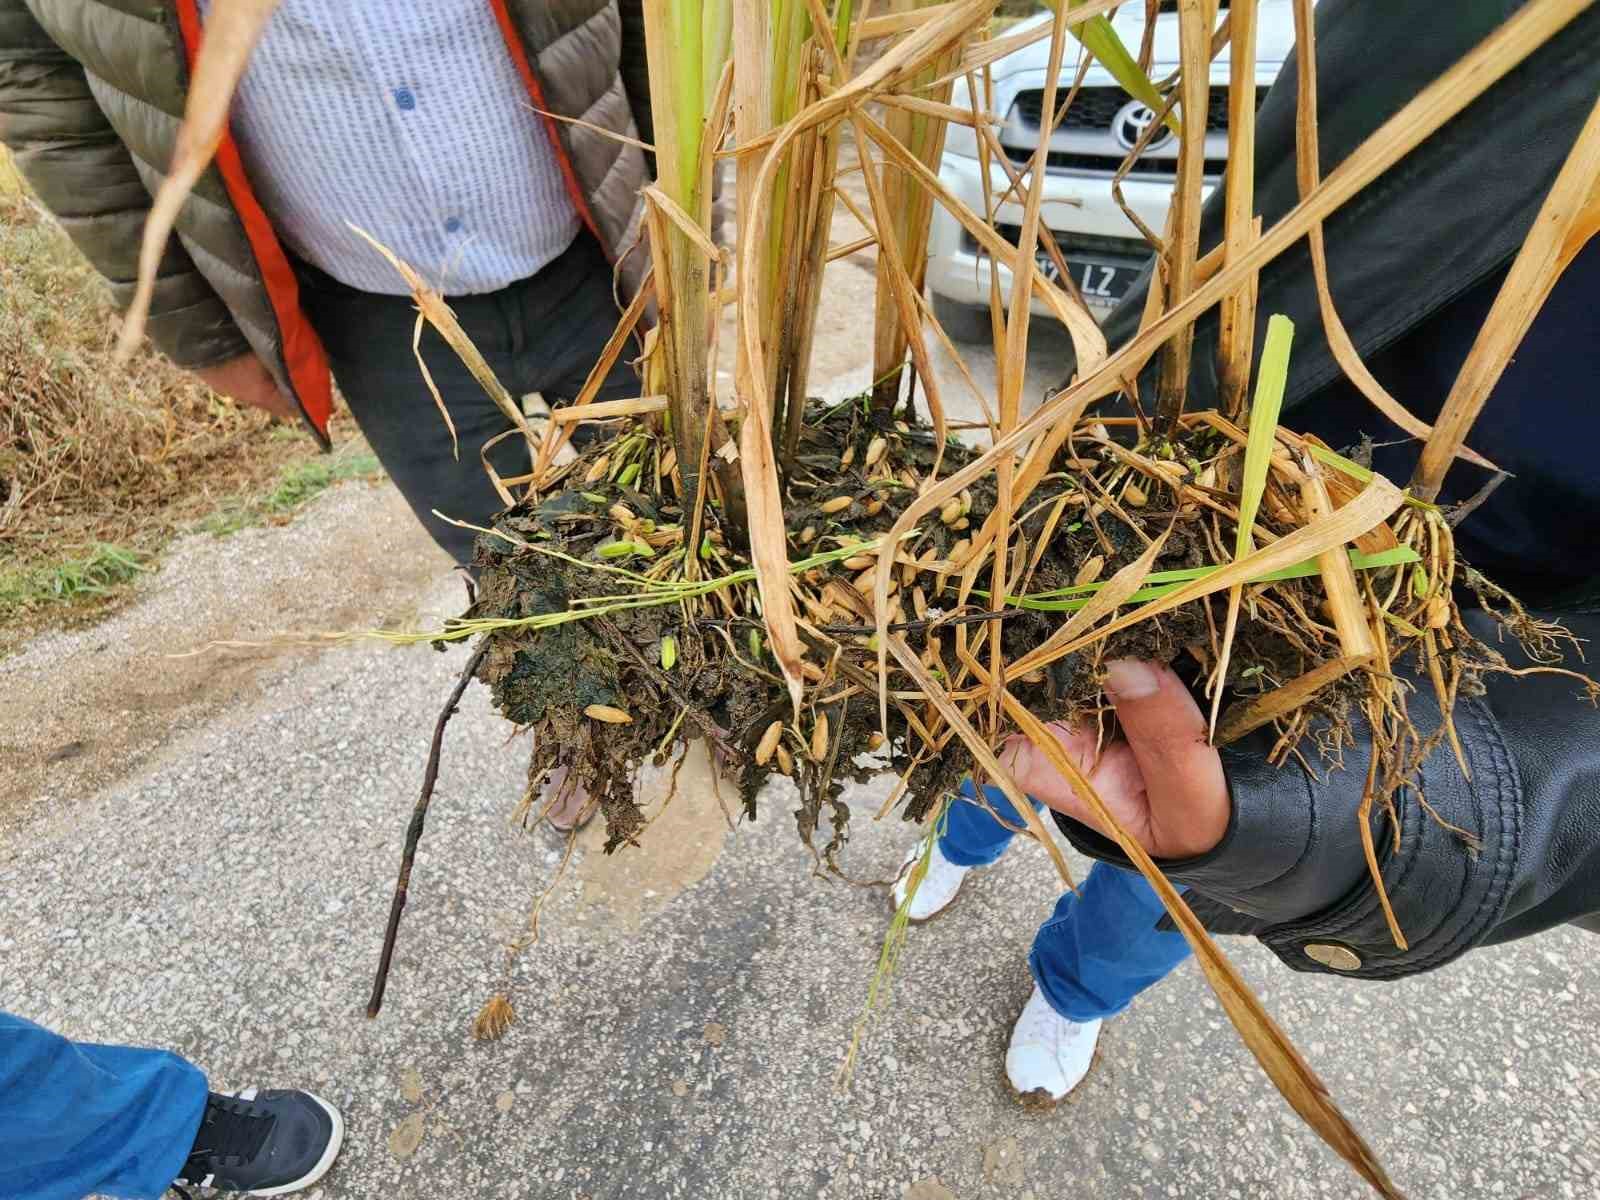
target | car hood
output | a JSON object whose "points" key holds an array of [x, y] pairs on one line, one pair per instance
{"points": [[1274, 40]]}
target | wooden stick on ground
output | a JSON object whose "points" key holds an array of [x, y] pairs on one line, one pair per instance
{"points": [[419, 815]]}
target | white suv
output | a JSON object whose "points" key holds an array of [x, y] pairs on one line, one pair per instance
{"points": [[1102, 248]]}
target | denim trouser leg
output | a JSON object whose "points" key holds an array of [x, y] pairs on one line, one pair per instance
{"points": [[77, 1118], [972, 837], [1101, 948]]}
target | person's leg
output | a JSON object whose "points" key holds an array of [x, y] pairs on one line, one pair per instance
{"points": [[974, 834], [1101, 947], [77, 1119], [561, 320], [549, 328], [1099, 950]]}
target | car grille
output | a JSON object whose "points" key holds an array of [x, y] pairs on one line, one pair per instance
{"points": [[1060, 160], [1094, 107], [1133, 250], [1086, 243]]}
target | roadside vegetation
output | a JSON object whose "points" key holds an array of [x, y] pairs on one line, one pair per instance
{"points": [[100, 465]]}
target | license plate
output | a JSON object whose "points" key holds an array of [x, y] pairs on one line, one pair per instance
{"points": [[1101, 283]]}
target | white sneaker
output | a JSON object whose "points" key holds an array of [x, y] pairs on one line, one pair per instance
{"points": [[938, 888], [1049, 1055]]}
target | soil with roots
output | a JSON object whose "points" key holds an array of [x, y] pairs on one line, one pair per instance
{"points": [[632, 680]]}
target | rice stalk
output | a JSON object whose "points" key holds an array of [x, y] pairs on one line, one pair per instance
{"points": [[903, 223], [1236, 336], [687, 44], [1183, 238], [791, 88], [1307, 170], [1499, 53], [894, 942]]}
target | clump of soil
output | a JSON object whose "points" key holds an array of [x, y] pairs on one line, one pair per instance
{"points": [[626, 682]]}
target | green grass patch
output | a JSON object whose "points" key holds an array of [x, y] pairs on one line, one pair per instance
{"points": [[102, 571], [295, 485]]}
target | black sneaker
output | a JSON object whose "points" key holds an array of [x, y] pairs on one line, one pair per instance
{"points": [[264, 1143]]}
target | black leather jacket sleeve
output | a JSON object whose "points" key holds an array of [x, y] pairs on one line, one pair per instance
{"points": [[1452, 211], [1291, 868]]}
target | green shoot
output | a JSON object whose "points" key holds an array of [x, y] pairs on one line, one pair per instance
{"points": [[99, 572], [1357, 472], [1271, 380], [1100, 39], [1160, 583], [650, 593], [893, 943]]}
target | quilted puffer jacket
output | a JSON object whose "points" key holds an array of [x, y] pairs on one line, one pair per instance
{"points": [[91, 94]]}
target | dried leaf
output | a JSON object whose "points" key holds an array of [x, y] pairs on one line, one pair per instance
{"points": [[974, 741], [1290, 1073], [1376, 502], [231, 31], [1307, 170], [1108, 599]]}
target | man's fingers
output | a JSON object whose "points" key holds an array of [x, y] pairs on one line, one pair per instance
{"points": [[1037, 775], [1183, 776]]}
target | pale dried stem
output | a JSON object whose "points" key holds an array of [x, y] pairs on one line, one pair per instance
{"points": [[1236, 339], [1183, 246], [1338, 577]]}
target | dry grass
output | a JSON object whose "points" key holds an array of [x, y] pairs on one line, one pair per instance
{"points": [[99, 464]]}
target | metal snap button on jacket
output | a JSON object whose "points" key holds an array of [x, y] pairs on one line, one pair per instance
{"points": [[1338, 958]]}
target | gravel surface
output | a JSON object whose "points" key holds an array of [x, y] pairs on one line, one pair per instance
{"points": [[682, 1020]]}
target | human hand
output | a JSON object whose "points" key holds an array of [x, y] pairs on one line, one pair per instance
{"points": [[1162, 780], [246, 380]]}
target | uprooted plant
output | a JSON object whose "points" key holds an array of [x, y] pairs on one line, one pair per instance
{"points": [[822, 591]]}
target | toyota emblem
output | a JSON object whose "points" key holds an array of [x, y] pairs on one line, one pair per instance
{"points": [[1130, 123]]}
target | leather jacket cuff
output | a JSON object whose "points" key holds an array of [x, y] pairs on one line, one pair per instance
{"points": [[1291, 868], [1276, 857]]}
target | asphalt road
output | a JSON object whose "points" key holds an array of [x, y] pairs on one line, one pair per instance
{"points": [[218, 883]]}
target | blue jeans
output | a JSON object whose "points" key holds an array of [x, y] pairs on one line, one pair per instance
{"points": [[77, 1118], [1101, 947]]}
